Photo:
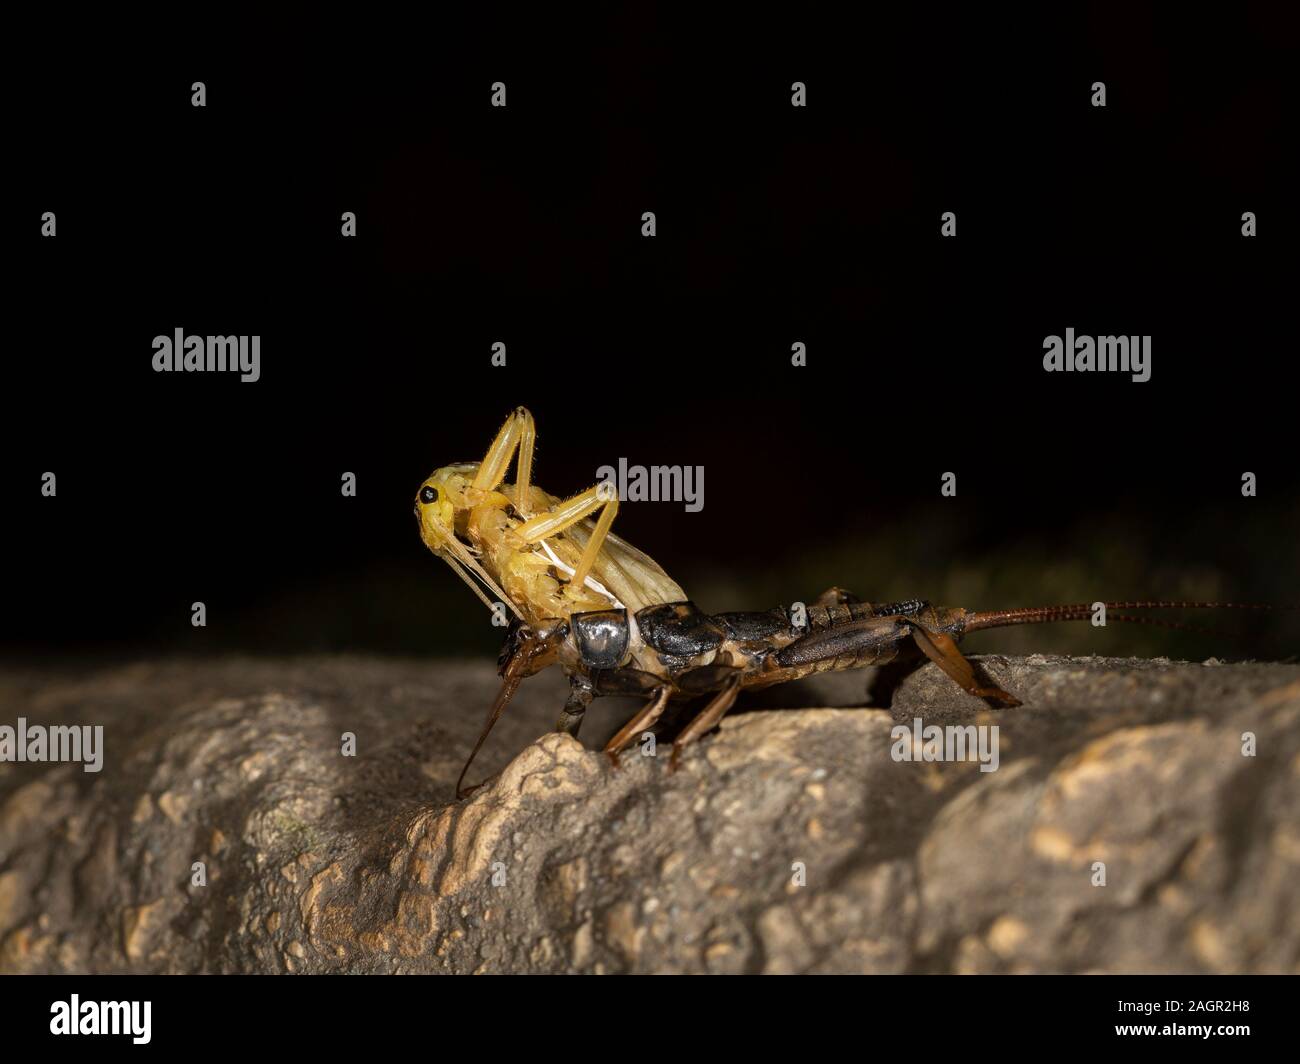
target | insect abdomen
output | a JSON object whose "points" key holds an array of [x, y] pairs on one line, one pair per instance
{"points": [[820, 618]]}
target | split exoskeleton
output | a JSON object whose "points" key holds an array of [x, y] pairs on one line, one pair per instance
{"points": [[617, 624]]}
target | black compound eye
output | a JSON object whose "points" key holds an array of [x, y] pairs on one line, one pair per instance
{"points": [[428, 494]]}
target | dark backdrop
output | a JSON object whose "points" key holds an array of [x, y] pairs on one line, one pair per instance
{"points": [[775, 225]]}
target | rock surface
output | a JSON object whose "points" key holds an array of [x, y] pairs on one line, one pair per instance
{"points": [[788, 841]]}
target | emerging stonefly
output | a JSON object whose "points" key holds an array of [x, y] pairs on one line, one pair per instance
{"points": [[617, 624]]}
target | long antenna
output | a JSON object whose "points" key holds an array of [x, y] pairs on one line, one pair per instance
{"points": [[459, 570], [452, 547]]}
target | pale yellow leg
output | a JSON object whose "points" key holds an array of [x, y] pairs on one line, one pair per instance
{"points": [[524, 468], [592, 550], [569, 512], [519, 433]]}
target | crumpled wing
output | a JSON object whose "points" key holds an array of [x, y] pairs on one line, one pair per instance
{"points": [[636, 578]]}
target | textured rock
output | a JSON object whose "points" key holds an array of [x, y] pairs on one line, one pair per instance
{"points": [[788, 841]]}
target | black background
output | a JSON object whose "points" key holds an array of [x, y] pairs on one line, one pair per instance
{"points": [[1016, 1011], [775, 224]]}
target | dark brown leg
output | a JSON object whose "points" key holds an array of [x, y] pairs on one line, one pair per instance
{"points": [[707, 718], [580, 696], [942, 650], [644, 717]]}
